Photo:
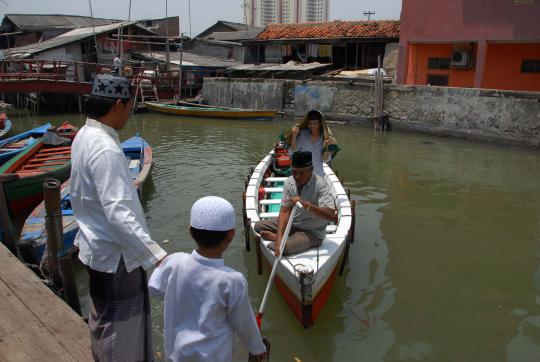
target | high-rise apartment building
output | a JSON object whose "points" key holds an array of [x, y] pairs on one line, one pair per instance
{"points": [[264, 12]]}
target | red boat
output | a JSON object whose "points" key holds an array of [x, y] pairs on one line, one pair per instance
{"points": [[24, 174]]}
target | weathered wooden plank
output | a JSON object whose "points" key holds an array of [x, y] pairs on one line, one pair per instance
{"points": [[35, 323], [22, 336]]}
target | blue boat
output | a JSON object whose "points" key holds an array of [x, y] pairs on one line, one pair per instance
{"points": [[33, 241], [13, 145]]}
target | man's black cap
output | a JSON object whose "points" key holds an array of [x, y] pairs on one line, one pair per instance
{"points": [[302, 159]]}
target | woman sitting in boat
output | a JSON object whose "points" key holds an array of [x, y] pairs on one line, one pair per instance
{"points": [[313, 135]]}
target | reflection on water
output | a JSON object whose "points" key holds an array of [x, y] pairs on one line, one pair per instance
{"points": [[445, 265], [525, 346]]}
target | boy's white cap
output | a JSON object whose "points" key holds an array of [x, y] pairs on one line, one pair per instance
{"points": [[212, 213]]}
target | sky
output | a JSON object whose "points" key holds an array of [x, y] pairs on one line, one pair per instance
{"points": [[203, 12]]}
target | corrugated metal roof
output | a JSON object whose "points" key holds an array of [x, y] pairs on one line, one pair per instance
{"points": [[99, 29], [332, 30], [64, 39], [32, 22], [239, 35], [290, 66], [188, 59], [238, 26]]}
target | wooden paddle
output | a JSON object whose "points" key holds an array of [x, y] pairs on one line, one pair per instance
{"points": [[276, 264]]}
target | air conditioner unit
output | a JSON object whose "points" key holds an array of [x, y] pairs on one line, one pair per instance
{"points": [[460, 59]]}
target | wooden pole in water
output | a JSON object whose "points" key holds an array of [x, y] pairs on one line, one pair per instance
{"points": [[60, 262], [5, 222], [71, 296], [53, 227], [180, 70], [79, 102]]}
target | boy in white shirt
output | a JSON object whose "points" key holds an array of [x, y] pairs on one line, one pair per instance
{"points": [[205, 301]]}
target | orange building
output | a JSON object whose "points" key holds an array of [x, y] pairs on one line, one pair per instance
{"points": [[470, 43]]}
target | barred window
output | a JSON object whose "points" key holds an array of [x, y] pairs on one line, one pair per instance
{"points": [[439, 63], [530, 66]]}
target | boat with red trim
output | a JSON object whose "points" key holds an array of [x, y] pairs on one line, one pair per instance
{"points": [[9, 147], [305, 280], [24, 174]]}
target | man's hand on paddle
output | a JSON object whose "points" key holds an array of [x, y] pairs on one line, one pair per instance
{"points": [[305, 204], [322, 212]]}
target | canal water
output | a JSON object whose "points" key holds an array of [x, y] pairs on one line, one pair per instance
{"points": [[446, 261]]}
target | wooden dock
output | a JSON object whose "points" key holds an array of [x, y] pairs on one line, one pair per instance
{"points": [[35, 324]]}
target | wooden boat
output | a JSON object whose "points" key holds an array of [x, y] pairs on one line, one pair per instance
{"points": [[24, 174], [13, 145], [139, 156], [211, 112], [5, 125], [33, 236], [198, 105], [305, 279]]}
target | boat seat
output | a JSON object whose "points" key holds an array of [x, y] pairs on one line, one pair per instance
{"points": [[268, 215], [275, 179], [270, 190], [134, 167], [270, 201], [16, 145]]}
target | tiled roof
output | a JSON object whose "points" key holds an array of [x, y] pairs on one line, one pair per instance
{"points": [[332, 30]]}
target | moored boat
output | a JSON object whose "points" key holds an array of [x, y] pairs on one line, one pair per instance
{"points": [[305, 279], [15, 144], [5, 125], [32, 243], [24, 174], [211, 112]]}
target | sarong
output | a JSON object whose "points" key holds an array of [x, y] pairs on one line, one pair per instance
{"points": [[119, 316], [298, 240]]}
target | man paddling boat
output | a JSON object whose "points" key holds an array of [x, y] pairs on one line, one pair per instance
{"points": [[310, 221], [113, 239]]}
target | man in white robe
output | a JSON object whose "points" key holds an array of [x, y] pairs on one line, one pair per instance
{"points": [[113, 238]]}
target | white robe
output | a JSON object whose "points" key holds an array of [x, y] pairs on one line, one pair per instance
{"points": [[205, 303], [110, 216]]}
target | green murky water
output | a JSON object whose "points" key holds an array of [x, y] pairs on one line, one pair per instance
{"points": [[446, 263]]}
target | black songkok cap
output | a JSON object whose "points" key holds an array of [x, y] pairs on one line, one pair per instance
{"points": [[301, 159], [111, 86]]}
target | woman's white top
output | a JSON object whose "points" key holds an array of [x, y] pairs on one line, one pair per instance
{"points": [[303, 143]]}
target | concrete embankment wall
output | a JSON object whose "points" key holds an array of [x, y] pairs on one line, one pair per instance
{"points": [[499, 116]]}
